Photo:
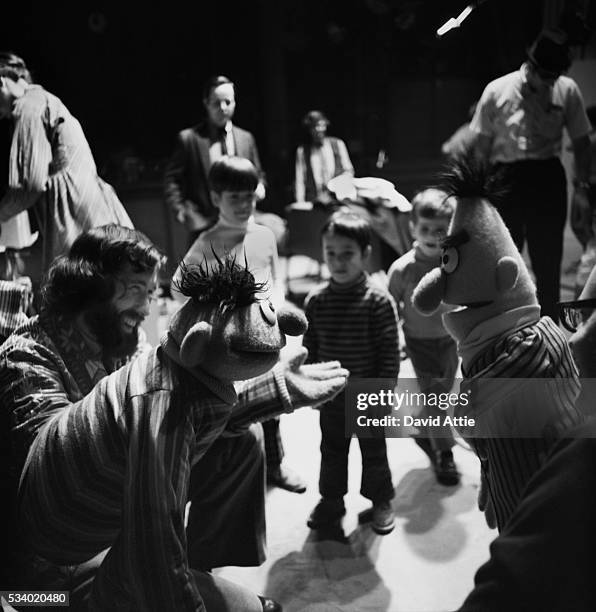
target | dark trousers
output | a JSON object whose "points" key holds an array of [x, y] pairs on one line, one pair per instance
{"points": [[535, 210], [333, 481], [274, 449], [226, 522], [435, 362]]}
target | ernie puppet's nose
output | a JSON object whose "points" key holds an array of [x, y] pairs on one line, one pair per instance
{"points": [[292, 321], [429, 292]]}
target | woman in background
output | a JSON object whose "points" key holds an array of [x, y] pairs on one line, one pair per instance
{"points": [[318, 160]]}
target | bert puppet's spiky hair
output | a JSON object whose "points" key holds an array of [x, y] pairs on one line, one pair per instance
{"points": [[470, 177]]}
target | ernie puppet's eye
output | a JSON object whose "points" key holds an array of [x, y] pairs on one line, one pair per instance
{"points": [[449, 260], [268, 312]]}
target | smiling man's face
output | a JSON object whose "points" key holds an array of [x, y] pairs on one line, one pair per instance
{"points": [[134, 292], [116, 323]]}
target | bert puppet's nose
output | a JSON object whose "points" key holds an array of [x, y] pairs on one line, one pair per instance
{"points": [[429, 292]]}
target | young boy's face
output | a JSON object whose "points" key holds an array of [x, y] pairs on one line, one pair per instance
{"points": [[429, 233], [344, 257], [235, 205]]}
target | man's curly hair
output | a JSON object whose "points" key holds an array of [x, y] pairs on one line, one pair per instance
{"points": [[85, 276], [225, 284]]}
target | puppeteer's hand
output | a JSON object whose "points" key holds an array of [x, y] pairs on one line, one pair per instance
{"points": [[314, 383], [581, 216]]}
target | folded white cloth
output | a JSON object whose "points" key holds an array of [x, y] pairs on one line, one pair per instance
{"points": [[346, 187]]}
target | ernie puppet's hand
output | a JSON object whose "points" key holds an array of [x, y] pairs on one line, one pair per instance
{"points": [[314, 383]]}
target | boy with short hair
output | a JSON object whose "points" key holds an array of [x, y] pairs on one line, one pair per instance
{"points": [[352, 319], [431, 349], [233, 182]]}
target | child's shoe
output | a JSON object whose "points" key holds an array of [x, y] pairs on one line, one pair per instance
{"points": [[445, 469], [328, 511], [383, 518]]}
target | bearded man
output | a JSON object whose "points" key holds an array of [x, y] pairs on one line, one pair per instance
{"points": [[93, 303]]}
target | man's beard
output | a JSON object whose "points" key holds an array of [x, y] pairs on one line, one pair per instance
{"points": [[106, 324]]}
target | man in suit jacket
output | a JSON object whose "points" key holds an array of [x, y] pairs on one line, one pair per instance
{"points": [[186, 185], [187, 191]]}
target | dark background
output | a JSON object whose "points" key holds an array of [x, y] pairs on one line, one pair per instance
{"points": [[132, 73]]}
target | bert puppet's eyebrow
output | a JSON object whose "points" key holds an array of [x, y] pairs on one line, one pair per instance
{"points": [[455, 240]]}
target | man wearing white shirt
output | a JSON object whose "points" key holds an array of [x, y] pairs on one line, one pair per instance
{"points": [[519, 125]]}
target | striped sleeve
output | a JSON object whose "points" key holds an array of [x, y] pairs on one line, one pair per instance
{"points": [[32, 390], [14, 301], [259, 399], [153, 538], [384, 321], [30, 158], [113, 472]]}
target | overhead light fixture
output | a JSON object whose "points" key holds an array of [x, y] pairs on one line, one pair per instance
{"points": [[455, 22]]}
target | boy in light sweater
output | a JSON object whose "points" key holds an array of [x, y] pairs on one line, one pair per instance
{"points": [[233, 182], [432, 350]]}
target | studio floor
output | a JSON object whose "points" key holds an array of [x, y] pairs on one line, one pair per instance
{"points": [[426, 564]]}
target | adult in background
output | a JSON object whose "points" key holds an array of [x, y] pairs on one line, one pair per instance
{"points": [[186, 184], [462, 140], [319, 159], [519, 124], [51, 167]]}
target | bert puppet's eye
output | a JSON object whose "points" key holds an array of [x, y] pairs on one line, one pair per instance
{"points": [[449, 260], [268, 312]]}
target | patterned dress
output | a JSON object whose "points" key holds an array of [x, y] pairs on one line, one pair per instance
{"points": [[51, 169]]}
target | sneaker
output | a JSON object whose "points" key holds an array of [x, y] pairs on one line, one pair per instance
{"points": [[445, 469], [326, 512], [285, 478], [383, 518]]}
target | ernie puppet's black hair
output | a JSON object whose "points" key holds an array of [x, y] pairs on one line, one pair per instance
{"points": [[472, 178], [225, 284]]}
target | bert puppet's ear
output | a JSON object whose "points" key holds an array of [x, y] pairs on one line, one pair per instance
{"points": [[507, 273], [194, 344]]}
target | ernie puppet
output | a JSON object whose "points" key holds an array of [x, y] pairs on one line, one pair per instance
{"points": [[114, 470], [504, 343]]}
